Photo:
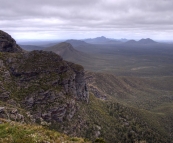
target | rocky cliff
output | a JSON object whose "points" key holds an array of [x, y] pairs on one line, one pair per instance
{"points": [[40, 82], [8, 44]]}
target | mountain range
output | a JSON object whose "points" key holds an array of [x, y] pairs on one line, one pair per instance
{"points": [[40, 88], [142, 41]]}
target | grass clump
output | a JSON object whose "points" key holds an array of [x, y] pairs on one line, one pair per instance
{"points": [[12, 132]]}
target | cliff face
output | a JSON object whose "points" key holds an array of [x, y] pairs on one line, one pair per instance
{"points": [[40, 87], [44, 84], [47, 87], [8, 44]]}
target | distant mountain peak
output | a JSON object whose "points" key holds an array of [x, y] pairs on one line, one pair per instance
{"points": [[142, 41], [74, 42], [97, 40], [65, 50], [102, 37], [131, 42], [65, 44], [63, 47], [146, 41]]}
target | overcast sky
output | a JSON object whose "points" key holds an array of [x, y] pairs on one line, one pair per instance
{"points": [[77, 19]]}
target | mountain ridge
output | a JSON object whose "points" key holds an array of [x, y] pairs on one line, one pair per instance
{"points": [[68, 53], [141, 41], [39, 87]]}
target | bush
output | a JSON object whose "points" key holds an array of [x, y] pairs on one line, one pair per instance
{"points": [[100, 140]]}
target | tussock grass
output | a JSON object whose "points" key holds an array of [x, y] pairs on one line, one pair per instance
{"points": [[13, 132]]}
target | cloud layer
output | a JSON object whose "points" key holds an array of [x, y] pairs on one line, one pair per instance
{"points": [[59, 19]]}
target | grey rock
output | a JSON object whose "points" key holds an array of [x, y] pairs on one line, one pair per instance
{"points": [[4, 96], [14, 111], [97, 93], [2, 109], [8, 44], [29, 101], [13, 103], [1, 64], [13, 117], [48, 87]]}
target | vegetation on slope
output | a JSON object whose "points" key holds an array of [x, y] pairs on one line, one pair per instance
{"points": [[151, 100], [13, 132], [111, 121], [54, 93], [143, 93], [114, 122]]}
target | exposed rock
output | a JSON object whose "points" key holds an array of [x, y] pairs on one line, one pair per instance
{"points": [[29, 101], [97, 93], [47, 86], [8, 44], [4, 96], [11, 114], [1, 64], [2, 109]]}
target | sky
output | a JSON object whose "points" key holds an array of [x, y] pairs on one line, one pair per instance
{"points": [[80, 19]]}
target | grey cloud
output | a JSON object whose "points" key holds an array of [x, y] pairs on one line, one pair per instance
{"points": [[90, 15]]}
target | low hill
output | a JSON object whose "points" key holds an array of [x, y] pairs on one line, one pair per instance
{"points": [[147, 41], [65, 50], [131, 42], [68, 53], [75, 43], [142, 41]]}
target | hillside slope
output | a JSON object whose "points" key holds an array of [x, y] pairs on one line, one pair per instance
{"points": [[67, 51], [24, 133], [151, 98], [39, 87], [145, 93]]}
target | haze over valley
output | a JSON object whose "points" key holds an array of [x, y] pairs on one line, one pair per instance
{"points": [[136, 74]]}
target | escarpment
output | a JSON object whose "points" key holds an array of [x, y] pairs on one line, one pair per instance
{"points": [[40, 82], [45, 84]]}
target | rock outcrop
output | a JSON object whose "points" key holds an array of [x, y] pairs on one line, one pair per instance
{"points": [[8, 44], [40, 82], [46, 85], [11, 114]]}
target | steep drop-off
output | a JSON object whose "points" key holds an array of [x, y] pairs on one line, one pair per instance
{"points": [[39, 87]]}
